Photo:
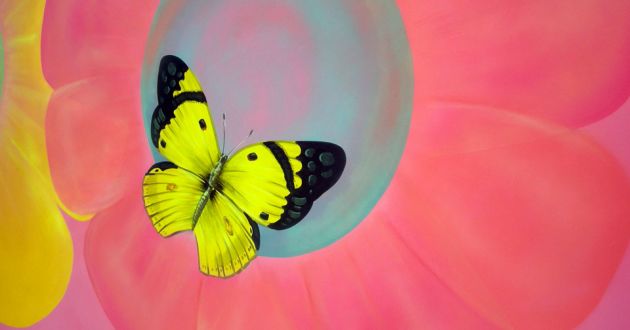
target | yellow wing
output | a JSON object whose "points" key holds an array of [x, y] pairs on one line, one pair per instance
{"points": [[276, 182], [170, 197], [226, 239], [181, 127]]}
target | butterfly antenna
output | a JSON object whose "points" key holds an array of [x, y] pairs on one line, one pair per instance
{"points": [[243, 141], [223, 147]]}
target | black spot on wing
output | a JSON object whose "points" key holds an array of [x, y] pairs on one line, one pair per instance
{"points": [[170, 73], [322, 166]]}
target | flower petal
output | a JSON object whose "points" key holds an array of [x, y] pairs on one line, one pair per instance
{"points": [[612, 311], [612, 132], [35, 246], [92, 55], [136, 272], [559, 60], [82, 39], [368, 279], [511, 212], [96, 149]]}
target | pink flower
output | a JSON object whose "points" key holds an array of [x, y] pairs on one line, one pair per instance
{"points": [[502, 212]]}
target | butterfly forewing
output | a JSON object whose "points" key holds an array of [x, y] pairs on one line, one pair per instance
{"points": [[181, 126], [276, 182]]}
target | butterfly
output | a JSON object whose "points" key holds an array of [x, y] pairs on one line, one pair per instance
{"points": [[222, 198]]}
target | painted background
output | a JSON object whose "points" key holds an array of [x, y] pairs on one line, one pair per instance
{"points": [[487, 179]]}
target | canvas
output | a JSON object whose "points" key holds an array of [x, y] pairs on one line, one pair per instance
{"points": [[485, 179]]}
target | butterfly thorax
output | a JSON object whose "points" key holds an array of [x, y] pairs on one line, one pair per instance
{"points": [[213, 178], [212, 185]]}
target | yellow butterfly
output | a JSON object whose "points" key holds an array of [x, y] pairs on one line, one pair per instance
{"points": [[223, 198]]}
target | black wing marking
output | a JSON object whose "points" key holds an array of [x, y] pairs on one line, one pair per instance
{"points": [[255, 231], [322, 166], [170, 73], [161, 166]]}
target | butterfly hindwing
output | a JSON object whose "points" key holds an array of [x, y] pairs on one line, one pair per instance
{"points": [[226, 239], [181, 126], [276, 182], [170, 195]]}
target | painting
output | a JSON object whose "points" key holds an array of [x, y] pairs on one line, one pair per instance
{"points": [[481, 177]]}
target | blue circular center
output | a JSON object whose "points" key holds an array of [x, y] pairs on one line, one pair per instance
{"points": [[299, 70]]}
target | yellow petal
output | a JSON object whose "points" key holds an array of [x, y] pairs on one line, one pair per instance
{"points": [[35, 245]]}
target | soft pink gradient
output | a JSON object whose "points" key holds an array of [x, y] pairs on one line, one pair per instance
{"points": [[566, 61], [94, 121], [94, 39], [501, 214], [525, 220], [368, 279], [612, 311], [613, 132], [92, 128]]}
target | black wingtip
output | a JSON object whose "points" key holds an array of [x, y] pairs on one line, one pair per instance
{"points": [[166, 59], [322, 166], [171, 72]]}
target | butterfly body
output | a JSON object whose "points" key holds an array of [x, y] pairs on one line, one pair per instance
{"points": [[212, 185], [222, 198]]}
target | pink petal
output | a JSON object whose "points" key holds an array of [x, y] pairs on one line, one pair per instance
{"points": [[527, 222], [83, 39], [565, 61], [612, 310], [369, 278], [92, 56], [612, 133], [142, 280], [96, 145]]}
